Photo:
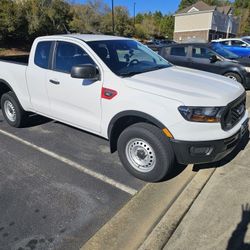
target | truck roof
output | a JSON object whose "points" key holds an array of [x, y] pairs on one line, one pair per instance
{"points": [[86, 37]]}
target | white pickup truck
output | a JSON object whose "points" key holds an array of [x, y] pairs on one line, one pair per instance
{"points": [[152, 112]]}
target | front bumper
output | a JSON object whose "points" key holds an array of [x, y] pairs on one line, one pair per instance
{"points": [[188, 152]]}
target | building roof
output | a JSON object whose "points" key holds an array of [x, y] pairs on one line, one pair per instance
{"points": [[201, 6]]}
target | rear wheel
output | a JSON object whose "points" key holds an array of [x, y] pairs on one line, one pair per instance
{"points": [[12, 110], [146, 152], [234, 76]]}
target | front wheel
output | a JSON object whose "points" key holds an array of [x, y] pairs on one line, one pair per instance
{"points": [[146, 152], [12, 110]]}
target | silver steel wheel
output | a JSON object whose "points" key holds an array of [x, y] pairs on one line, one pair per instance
{"points": [[10, 111], [140, 155], [232, 77]]}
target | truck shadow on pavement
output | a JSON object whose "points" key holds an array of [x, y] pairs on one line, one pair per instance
{"points": [[236, 242], [241, 146], [178, 169], [34, 120]]}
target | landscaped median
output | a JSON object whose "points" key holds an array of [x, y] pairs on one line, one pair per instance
{"points": [[169, 222], [220, 216]]}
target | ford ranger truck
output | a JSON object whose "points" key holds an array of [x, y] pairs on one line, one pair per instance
{"points": [[154, 113]]}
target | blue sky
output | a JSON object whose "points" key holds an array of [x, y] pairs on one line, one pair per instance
{"points": [[165, 6]]}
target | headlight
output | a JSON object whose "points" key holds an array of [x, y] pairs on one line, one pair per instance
{"points": [[201, 114], [247, 69]]}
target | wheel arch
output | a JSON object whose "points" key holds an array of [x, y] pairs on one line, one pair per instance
{"points": [[123, 120], [4, 88], [236, 72], [233, 70]]}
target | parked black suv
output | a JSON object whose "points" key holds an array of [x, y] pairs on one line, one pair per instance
{"points": [[209, 58]]}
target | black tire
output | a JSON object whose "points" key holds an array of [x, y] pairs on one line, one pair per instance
{"points": [[234, 76], [164, 157], [20, 115]]}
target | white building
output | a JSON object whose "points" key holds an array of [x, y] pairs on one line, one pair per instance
{"points": [[201, 22]]}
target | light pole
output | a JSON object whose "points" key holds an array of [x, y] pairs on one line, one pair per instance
{"points": [[113, 17], [134, 13]]}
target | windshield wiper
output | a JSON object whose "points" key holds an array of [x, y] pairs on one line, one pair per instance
{"points": [[156, 68], [132, 73]]}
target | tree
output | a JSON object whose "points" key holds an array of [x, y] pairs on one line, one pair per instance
{"points": [[58, 16], [88, 18], [167, 26], [106, 24], [9, 19], [154, 25], [139, 18], [186, 3], [244, 4], [43, 17], [246, 27], [242, 10], [123, 23]]}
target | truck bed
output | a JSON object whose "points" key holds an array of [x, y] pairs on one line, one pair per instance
{"points": [[19, 59]]}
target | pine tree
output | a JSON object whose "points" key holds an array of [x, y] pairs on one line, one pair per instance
{"points": [[185, 3]]}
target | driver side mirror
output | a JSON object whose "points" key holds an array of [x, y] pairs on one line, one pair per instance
{"points": [[214, 59], [85, 71]]}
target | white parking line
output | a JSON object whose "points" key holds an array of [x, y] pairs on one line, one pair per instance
{"points": [[73, 164]]}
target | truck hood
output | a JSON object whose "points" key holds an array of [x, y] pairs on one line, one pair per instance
{"points": [[191, 87]]}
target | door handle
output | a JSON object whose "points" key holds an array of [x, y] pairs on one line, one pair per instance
{"points": [[54, 82]]}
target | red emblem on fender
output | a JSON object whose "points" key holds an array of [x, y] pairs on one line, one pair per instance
{"points": [[108, 93]]}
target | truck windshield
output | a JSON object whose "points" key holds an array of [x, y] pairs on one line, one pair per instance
{"points": [[128, 57]]}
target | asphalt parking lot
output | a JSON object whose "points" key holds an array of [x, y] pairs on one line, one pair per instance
{"points": [[58, 185]]}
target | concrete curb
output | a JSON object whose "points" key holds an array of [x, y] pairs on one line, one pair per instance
{"points": [[160, 235], [129, 228]]}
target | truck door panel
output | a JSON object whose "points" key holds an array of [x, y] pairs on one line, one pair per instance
{"points": [[77, 101]]}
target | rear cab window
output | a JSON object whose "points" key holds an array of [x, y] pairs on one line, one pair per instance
{"points": [[42, 54]]}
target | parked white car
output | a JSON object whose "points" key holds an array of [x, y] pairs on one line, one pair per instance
{"points": [[154, 113]]}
